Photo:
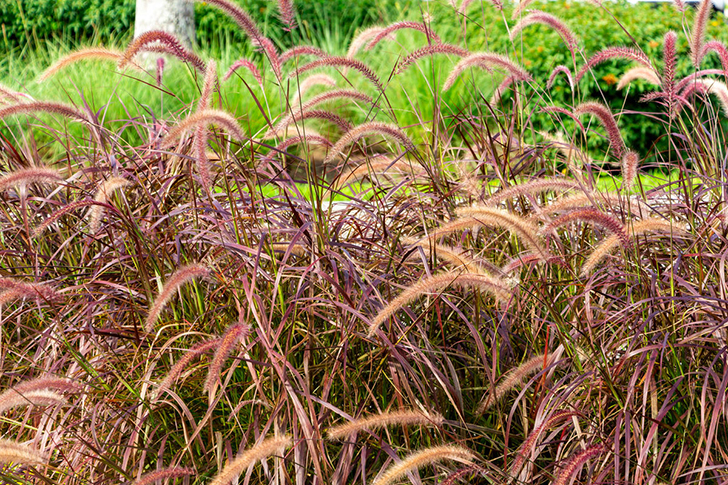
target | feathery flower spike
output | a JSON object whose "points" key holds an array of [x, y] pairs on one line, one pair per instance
{"points": [[560, 69], [614, 53], [486, 60], [163, 474], [514, 378], [105, 191], [183, 275], [543, 18], [13, 452], [386, 129], [429, 50], [233, 335], [644, 73], [697, 36], [247, 64], [425, 457], [400, 418], [577, 460], [169, 43], [333, 61], [261, 451], [390, 29], [606, 118], [100, 53]]}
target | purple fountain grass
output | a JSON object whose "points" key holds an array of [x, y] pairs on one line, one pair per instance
{"points": [[490, 284], [246, 22], [563, 111], [333, 61], [627, 53], [533, 437], [405, 417], [96, 53], [693, 78], [261, 451], [606, 118], [405, 24], [199, 141], [630, 162], [532, 187], [183, 275], [429, 50], [355, 133], [15, 96], [315, 101], [697, 35], [719, 48], [51, 107], [608, 200], [233, 335], [380, 164], [493, 217], [577, 460], [288, 14], [519, 8], [513, 379], [424, 457], [450, 255], [70, 207], [669, 57], [551, 21], [304, 85], [486, 60], [16, 289], [31, 398], [301, 50], [163, 474], [718, 88], [529, 259], [637, 228], [297, 117], [458, 475], [13, 452], [680, 6], [295, 140], [179, 366], [105, 191], [169, 43], [205, 117], [362, 39], [42, 391], [249, 66], [592, 216], [36, 175], [557, 70], [644, 73]]}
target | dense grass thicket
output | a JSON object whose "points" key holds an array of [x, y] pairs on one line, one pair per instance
{"points": [[396, 259]]}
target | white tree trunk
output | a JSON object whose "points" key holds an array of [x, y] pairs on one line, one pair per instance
{"points": [[176, 17]]}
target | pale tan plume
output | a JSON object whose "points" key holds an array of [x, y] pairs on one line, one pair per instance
{"points": [[104, 192], [203, 118], [641, 72], [13, 452], [425, 457], [165, 473], [183, 275], [513, 379], [386, 129], [261, 451], [319, 79], [532, 187], [495, 286], [43, 397], [89, 53], [493, 217], [406, 417], [26, 176], [448, 254], [638, 228]]}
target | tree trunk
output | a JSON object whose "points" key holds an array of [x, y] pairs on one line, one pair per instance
{"points": [[176, 17]]}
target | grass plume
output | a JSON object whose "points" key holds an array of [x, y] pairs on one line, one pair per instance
{"points": [[405, 417], [513, 379], [490, 284], [183, 275], [486, 60], [422, 458], [261, 451], [386, 129]]}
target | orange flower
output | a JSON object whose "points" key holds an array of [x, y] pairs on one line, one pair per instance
{"points": [[610, 79], [539, 49], [653, 43]]}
